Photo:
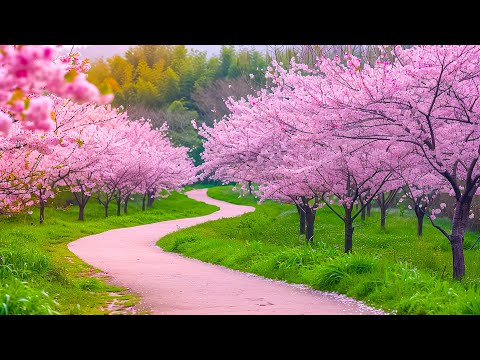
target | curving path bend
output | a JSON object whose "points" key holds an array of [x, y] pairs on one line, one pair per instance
{"points": [[172, 284]]}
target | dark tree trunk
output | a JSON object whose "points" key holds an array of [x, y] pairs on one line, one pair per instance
{"points": [[458, 257], [301, 214], [383, 210], [119, 202], [125, 204], [105, 203], [383, 217], [369, 208], [82, 201], [310, 222], [250, 187], [150, 198], [348, 230], [81, 211], [384, 204], [143, 201], [420, 216], [42, 211], [459, 224], [119, 206], [362, 203]]}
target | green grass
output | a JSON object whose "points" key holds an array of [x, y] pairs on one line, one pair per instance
{"points": [[392, 269], [200, 186], [39, 275]]}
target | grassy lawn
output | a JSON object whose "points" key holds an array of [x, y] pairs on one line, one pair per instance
{"points": [[392, 269], [35, 261]]}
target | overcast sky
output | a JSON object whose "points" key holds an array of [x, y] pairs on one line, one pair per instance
{"points": [[96, 51]]}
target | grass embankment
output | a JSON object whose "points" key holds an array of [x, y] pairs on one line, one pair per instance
{"points": [[392, 269], [39, 275]]}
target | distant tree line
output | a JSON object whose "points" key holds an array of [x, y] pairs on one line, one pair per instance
{"points": [[174, 84]]}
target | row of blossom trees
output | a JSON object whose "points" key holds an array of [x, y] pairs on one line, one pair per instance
{"points": [[102, 152], [30, 75], [344, 132], [57, 134]]}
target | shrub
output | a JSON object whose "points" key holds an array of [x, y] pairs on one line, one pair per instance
{"points": [[16, 298], [180, 241], [23, 262], [342, 267], [90, 284], [471, 305]]}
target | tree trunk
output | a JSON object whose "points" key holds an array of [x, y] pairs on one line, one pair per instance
{"points": [[369, 208], [384, 204], [106, 209], [458, 257], [119, 205], [42, 211], [125, 204], [310, 222], [383, 216], [348, 230], [81, 211], [143, 201], [381, 205], [250, 187], [420, 216], [459, 224], [150, 198], [362, 204], [301, 214]]}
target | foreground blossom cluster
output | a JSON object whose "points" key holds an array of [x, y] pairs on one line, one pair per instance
{"points": [[345, 133], [57, 134], [27, 72]]}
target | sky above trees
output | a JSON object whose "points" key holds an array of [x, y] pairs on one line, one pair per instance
{"points": [[97, 51]]}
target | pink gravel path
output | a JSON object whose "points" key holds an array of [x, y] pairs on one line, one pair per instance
{"points": [[172, 284]]}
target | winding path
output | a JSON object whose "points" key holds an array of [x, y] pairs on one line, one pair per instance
{"points": [[172, 284]]}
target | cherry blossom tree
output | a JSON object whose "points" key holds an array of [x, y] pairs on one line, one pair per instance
{"points": [[144, 161], [81, 136], [258, 141], [245, 147], [426, 97], [421, 186], [166, 168], [58, 134], [298, 188], [27, 117], [384, 200], [351, 173], [18, 172]]}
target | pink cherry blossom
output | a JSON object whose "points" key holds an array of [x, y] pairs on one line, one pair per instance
{"points": [[322, 131], [27, 72]]}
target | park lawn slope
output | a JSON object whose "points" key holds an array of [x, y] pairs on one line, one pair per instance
{"points": [[393, 269], [39, 275]]}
